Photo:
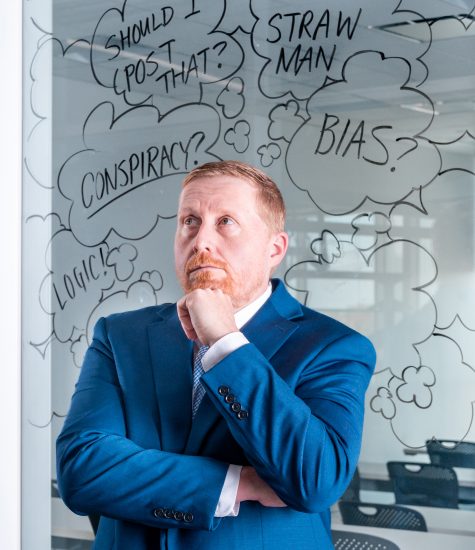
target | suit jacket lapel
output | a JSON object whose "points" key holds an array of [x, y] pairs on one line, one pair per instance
{"points": [[171, 354], [268, 330]]}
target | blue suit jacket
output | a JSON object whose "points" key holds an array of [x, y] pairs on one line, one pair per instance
{"points": [[130, 452]]}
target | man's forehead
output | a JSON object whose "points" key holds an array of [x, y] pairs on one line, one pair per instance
{"points": [[216, 188]]}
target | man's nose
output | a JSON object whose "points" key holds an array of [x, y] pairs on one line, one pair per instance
{"points": [[205, 238]]}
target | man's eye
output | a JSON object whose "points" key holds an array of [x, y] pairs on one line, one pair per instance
{"points": [[226, 220], [189, 221]]}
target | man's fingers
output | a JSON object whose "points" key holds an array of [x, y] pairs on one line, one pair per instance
{"points": [[185, 319]]}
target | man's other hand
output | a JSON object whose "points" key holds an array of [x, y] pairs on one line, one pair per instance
{"points": [[206, 315], [252, 487]]}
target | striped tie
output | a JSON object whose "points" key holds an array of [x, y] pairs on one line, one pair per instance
{"points": [[198, 388]]}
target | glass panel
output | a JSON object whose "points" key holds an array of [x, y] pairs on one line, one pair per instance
{"points": [[362, 112]]}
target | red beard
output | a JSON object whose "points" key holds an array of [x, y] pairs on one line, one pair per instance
{"points": [[206, 278]]}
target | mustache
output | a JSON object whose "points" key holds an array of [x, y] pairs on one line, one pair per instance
{"points": [[203, 259]]}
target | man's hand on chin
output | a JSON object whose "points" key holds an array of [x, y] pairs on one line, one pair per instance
{"points": [[206, 315]]}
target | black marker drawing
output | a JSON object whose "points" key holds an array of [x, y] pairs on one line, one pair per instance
{"points": [[166, 51], [326, 248], [231, 99], [285, 119], [115, 176], [406, 295], [122, 260], [269, 153], [238, 136], [336, 145], [369, 229], [74, 285], [303, 48]]}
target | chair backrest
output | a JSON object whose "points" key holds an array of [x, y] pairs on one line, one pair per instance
{"points": [[352, 492], [449, 452], [424, 484], [381, 515], [349, 540]]}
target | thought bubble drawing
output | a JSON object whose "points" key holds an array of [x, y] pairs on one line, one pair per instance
{"points": [[452, 159], [433, 400], [164, 49], [383, 403], [383, 294], [237, 15], [78, 350], [122, 260], [231, 98], [285, 120], [304, 46], [326, 248], [416, 386], [353, 151], [37, 233], [455, 33], [369, 228], [463, 336], [142, 293], [238, 136], [39, 136], [77, 278], [268, 153], [124, 181]]}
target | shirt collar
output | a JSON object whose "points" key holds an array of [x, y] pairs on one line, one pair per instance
{"points": [[247, 312]]}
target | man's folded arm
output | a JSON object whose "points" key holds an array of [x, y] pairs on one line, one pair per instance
{"points": [[101, 471], [304, 442]]}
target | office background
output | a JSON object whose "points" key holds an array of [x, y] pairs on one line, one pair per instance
{"points": [[363, 113]]}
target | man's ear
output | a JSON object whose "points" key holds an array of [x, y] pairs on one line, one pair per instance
{"points": [[279, 245]]}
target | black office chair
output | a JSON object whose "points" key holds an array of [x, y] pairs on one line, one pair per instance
{"points": [[381, 515], [349, 540], [352, 493], [424, 484], [452, 453]]}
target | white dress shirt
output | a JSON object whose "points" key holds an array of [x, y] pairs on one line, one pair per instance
{"points": [[217, 352]]}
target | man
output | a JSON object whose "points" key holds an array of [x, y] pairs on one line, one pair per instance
{"points": [[268, 438]]}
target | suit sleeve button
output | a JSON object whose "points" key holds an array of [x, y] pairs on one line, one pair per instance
{"points": [[223, 390], [178, 515], [158, 513], [229, 398], [169, 514], [236, 407], [242, 414], [188, 517]]}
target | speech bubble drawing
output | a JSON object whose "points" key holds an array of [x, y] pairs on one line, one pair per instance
{"points": [[305, 46], [169, 48], [141, 293], [353, 151], [77, 278], [124, 181], [391, 307]]}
